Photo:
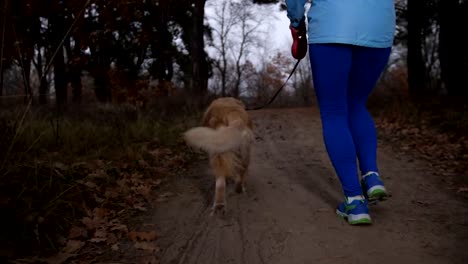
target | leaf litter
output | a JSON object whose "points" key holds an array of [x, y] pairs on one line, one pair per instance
{"points": [[119, 189]]}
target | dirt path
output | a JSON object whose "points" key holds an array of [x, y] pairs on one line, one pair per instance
{"points": [[288, 216]]}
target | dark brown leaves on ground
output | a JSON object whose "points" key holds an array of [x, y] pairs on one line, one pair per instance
{"points": [[447, 153], [102, 196]]}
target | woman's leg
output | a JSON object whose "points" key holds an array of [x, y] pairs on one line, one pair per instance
{"points": [[331, 65], [366, 66]]}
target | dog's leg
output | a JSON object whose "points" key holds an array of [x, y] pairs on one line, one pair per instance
{"points": [[220, 195], [220, 170], [240, 180]]}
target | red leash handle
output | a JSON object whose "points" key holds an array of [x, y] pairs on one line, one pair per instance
{"points": [[299, 45]]}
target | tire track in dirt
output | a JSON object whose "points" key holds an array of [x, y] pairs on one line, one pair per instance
{"points": [[287, 214]]}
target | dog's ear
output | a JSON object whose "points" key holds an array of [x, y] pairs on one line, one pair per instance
{"points": [[206, 117], [238, 123]]}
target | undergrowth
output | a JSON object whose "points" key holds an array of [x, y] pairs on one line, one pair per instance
{"points": [[434, 128], [57, 169]]}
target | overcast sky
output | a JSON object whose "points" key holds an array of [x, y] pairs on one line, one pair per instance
{"points": [[275, 25]]}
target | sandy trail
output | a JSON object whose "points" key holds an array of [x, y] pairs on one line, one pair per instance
{"points": [[287, 215]]}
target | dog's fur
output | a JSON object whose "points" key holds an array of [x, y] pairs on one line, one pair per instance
{"points": [[226, 135]]}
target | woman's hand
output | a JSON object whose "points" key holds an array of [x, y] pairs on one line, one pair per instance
{"points": [[299, 45]]}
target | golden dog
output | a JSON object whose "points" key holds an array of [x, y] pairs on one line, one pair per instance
{"points": [[226, 135]]}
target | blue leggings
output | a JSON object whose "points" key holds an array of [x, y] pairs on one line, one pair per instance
{"points": [[344, 76]]}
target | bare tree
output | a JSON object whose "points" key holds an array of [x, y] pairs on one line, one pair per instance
{"points": [[199, 64], [249, 26], [236, 27]]}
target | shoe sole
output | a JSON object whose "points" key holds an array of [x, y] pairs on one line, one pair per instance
{"points": [[363, 220], [378, 193], [374, 194]]}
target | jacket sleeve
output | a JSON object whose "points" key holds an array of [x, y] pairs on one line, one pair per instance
{"points": [[295, 11]]}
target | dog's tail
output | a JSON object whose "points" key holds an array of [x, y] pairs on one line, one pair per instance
{"points": [[222, 139]]}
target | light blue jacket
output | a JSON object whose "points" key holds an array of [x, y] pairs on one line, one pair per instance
{"points": [[369, 23]]}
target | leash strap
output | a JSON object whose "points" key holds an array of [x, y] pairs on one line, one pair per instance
{"points": [[277, 91]]}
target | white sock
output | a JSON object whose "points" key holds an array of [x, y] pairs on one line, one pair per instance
{"points": [[355, 198], [369, 173]]}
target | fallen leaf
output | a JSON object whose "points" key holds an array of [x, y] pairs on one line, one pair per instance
{"points": [[167, 194], [148, 236], [91, 184], [111, 238], [90, 223], [144, 236], [115, 247], [149, 260], [115, 225], [145, 191], [98, 199], [133, 235], [462, 189], [77, 232], [59, 258], [147, 246], [66, 253], [98, 239], [100, 233], [111, 194], [73, 245], [139, 206], [60, 166], [100, 212]]}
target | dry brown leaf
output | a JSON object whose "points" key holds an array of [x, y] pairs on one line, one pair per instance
{"points": [[145, 191], [66, 253], [59, 258], [166, 195], [91, 184], [115, 225], [149, 260], [132, 235], [77, 232], [139, 206], [90, 223], [98, 199], [100, 212], [111, 193], [111, 238], [148, 236], [115, 247], [100, 233], [98, 239], [73, 245], [147, 246], [98, 174], [144, 236]]}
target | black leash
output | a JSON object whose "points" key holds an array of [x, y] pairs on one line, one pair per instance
{"points": [[277, 91]]}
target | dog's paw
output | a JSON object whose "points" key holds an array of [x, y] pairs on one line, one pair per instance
{"points": [[218, 209], [240, 188]]}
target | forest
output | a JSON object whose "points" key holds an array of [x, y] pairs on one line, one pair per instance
{"points": [[94, 93]]}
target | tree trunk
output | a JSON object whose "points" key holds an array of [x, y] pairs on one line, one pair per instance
{"points": [[4, 22], [26, 65], [1, 81], [199, 64], [74, 71], [43, 86], [60, 82], [75, 82], [452, 40], [415, 59]]}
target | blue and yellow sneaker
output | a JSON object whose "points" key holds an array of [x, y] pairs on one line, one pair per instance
{"points": [[373, 187], [355, 211]]}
